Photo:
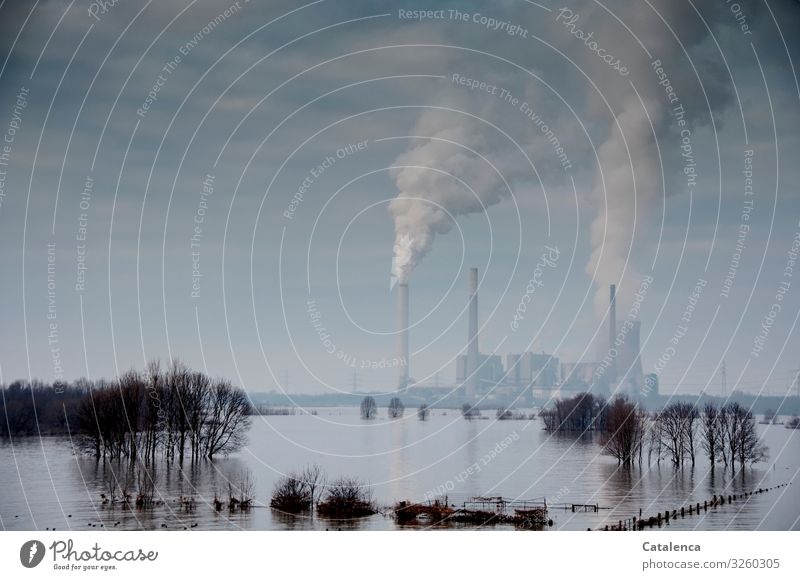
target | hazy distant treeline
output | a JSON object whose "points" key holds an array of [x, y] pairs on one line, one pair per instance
{"points": [[173, 411], [36, 407]]}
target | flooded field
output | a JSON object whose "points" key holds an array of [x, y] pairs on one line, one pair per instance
{"points": [[47, 485]]}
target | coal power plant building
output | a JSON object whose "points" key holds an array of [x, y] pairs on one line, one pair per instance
{"points": [[531, 377]]}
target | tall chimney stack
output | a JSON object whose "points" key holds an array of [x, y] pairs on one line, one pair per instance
{"points": [[402, 336], [612, 336], [472, 336]]}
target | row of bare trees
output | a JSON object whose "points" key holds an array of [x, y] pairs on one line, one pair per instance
{"points": [[175, 411], [673, 434], [369, 408], [677, 433], [729, 436]]}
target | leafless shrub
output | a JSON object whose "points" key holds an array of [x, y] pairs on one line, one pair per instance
{"points": [[146, 486], [241, 492], [295, 493], [347, 498], [292, 495]]}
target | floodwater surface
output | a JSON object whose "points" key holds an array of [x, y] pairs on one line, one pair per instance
{"points": [[45, 483]]}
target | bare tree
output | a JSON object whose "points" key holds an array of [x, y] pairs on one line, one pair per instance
{"points": [[748, 446], [735, 414], [625, 426], [712, 432], [369, 408], [677, 429], [194, 407], [396, 408], [314, 479], [178, 396], [227, 420], [469, 412], [423, 412], [654, 442], [730, 436], [690, 419]]}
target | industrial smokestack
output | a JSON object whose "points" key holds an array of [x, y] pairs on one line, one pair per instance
{"points": [[630, 361], [612, 336], [402, 336], [472, 336]]}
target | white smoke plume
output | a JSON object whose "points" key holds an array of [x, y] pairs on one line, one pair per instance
{"points": [[430, 196], [629, 152], [623, 204]]}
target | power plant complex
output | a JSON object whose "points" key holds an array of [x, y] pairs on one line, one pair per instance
{"points": [[530, 376]]}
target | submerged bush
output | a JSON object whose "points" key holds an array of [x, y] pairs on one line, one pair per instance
{"points": [[291, 495], [347, 498], [295, 493]]}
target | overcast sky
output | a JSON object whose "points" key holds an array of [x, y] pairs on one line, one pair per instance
{"points": [[616, 133]]}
